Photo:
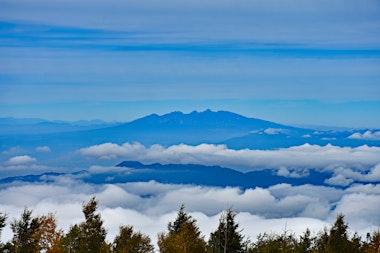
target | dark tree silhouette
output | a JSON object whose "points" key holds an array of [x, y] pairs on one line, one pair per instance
{"points": [[227, 238]]}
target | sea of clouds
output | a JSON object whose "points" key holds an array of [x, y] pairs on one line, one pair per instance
{"points": [[149, 206], [359, 164]]}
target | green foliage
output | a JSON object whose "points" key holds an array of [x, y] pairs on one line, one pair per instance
{"points": [[182, 218], [88, 236], [3, 218], [306, 243], [273, 243], [128, 241], [227, 238], [183, 236], [24, 231], [337, 240]]}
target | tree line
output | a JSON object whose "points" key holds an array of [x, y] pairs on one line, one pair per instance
{"points": [[40, 234]]}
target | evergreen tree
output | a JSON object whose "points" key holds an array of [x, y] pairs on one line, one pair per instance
{"points": [[273, 243], [306, 243], [339, 240], [128, 241], [3, 218], [88, 236], [227, 238], [265, 243], [182, 218], [73, 241], [322, 241], [24, 230], [183, 236]]}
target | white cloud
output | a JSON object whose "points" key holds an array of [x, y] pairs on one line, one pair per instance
{"points": [[345, 176], [367, 135], [45, 149], [365, 188], [339, 180], [360, 209], [306, 156], [111, 150], [21, 160]]}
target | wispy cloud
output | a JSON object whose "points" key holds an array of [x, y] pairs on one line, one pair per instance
{"points": [[291, 21], [44, 149]]}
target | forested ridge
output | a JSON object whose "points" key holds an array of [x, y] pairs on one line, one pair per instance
{"points": [[33, 234]]}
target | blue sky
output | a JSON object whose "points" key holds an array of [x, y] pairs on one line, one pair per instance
{"points": [[294, 62]]}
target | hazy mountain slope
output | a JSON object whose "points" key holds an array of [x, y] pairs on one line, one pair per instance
{"points": [[220, 127], [133, 171], [192, 128]]}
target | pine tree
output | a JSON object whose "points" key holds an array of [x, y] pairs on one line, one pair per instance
{"points": [[227, 238], [337, 239], [24, 230], [89, 236], [182, 218], [305, 244], [183, 236], [3, 218]]}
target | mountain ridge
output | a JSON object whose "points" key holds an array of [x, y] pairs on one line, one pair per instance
{"points": [[195, 128], [190, 174]]}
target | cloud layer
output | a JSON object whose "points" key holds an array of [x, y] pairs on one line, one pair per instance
{"points": [[298, 157], [367, 135], [149, 206]]}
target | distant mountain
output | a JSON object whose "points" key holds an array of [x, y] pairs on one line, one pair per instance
{"points": [[180, 174], [192, 128], [211, 175], [40, 126], [222, 127]]}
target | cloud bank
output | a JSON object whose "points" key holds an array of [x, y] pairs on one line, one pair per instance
{"points": [[149, 206], [306, 156], [367, 135]]}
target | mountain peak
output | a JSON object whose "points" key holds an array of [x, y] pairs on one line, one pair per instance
{"points": [[207, 119]]}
